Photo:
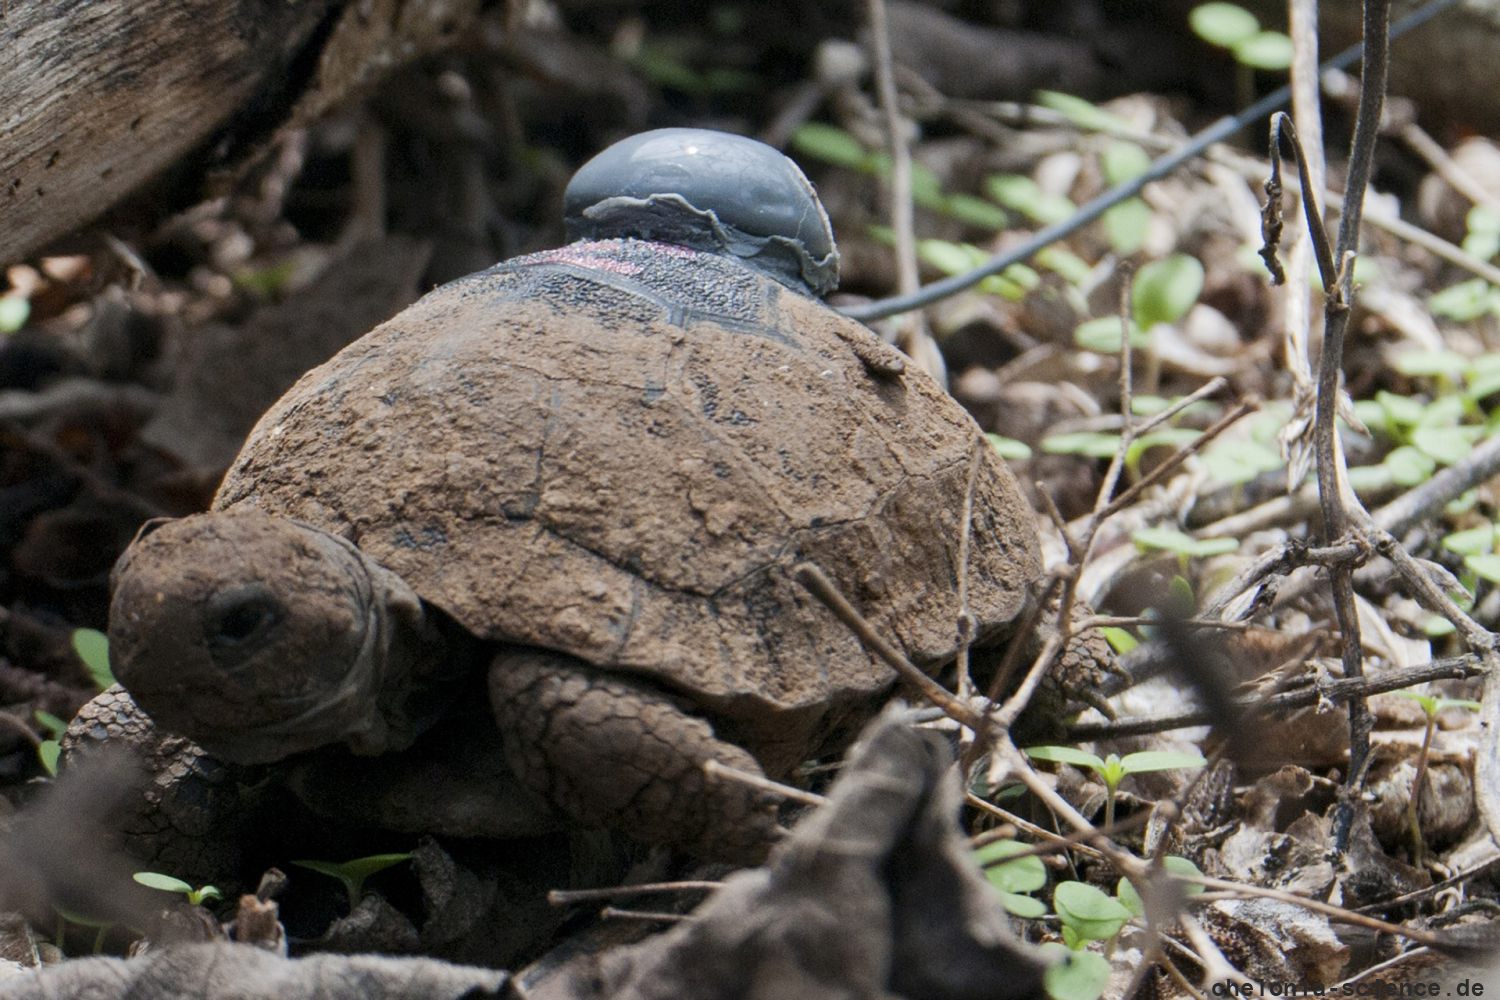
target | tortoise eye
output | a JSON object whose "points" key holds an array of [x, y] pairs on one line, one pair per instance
{"points": [[240, 614]]}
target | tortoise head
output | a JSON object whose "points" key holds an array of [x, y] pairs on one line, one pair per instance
{"points": [[260, 637], [709, 191]]}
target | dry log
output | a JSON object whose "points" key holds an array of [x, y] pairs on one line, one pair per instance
{"points": [[100, 97]]}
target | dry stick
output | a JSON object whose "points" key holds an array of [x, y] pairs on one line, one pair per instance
{"points": [[1338, 690], [1182, 454], [1238, 891], [1427, 499], [567, 897], [966, 623], [911, 334], [1409, 508], [817, 584], [723, 772], [1446, 167], [1026, 826], [1057, 843]]}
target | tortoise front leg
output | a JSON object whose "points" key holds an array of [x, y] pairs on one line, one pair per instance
{"points": [[609, 751]]}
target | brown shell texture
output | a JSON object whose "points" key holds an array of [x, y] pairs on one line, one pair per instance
{"points": [[620, 450]]}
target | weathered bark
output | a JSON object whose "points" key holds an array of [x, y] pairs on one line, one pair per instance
{"points": [[98, 97]]}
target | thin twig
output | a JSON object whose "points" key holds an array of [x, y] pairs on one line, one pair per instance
{"points": [[966, 623], [1331, 474], [1161, 471], [723, 772], [1338, 690], [567, 897], [818, 584]]}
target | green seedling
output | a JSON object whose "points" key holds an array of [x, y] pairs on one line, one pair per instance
{"points": [[1432, 707], [65, 917], [50, 749], [1084, 114], [1113, 769], [1232, 27], [1009, 447], [1483, 236], [1125, 224], [1023, 195], [14, 311], [1087, 914], [834, 145], [1164, 290], [1098, 444], [167, 883], [1014, 879], [1074, 975], [1181, 544], [353, 873], [92, 647], [1175, 866]]}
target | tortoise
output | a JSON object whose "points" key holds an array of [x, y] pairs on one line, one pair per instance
{"points": [[583, 477]]}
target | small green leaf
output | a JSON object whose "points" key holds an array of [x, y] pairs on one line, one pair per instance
{"points": [[1486, 567], [48, 752], [1447, 364], [975, 212], [14, 311], [1160, 760], [1409, 466], [1078, 975], [1119, 639], [1446, 445], [1124, 161], [166, 883], [1400, 411], [50, 722], [1113, 772], [1166, 289], [1174, 865], [1268, 50], [1102, 335], [92, 647], [1473, 541], [200, 896], [831, 145], [1463, 302], [1020, 905], [1437, 626], [1181, 543], [1080, 112], [1223, 24], [1009, 447], [1065, 264], [1092, 444], [1125, 225], [1021, 875], [1092, 914], [950, 258], [1066, 755], [1482, 219], [1024, 195], [358, 868], [1232, 462], [1181, 600]]}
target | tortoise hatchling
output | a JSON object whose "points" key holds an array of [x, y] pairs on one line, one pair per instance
{"points": [[584, 476]]}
